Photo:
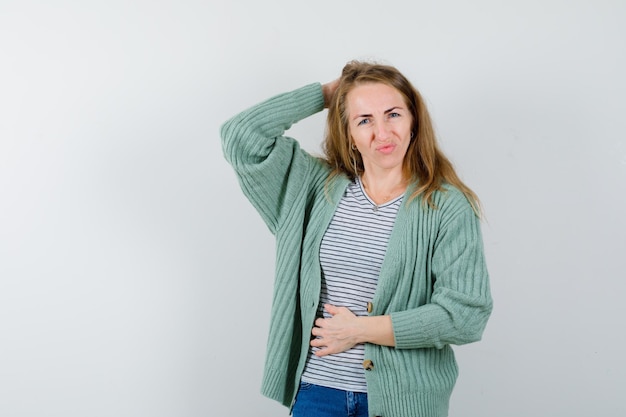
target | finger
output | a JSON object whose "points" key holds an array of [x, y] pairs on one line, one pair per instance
{"points": [[331, 309], [322, 352], [317, 343]]}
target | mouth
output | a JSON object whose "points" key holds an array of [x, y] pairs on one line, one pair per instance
{"points": [[386, 149]]}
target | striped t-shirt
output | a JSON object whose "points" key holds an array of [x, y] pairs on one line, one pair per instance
{"points": [[351, 255]]}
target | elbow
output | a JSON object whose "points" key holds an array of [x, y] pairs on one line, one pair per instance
{"points": [[243, 143], [472, 328], [229, 135]]}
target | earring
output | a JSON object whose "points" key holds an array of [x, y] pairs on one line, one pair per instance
{"points": [[353, 147], [411, 135]]}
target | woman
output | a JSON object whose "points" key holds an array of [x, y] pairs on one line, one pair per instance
{"points": [[380, 264]]}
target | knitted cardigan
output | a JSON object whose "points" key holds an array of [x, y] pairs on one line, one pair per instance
{"points": [[433, 282]]}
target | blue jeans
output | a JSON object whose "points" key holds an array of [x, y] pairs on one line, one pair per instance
{"points": [[317, 401]]}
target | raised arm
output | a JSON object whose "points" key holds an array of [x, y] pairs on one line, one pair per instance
{"points": [[270, 166]]}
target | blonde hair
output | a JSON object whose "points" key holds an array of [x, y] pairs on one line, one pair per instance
{"points": [[424, 162]]}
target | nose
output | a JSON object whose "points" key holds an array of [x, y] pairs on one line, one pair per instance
{"points": [[382, 131]]}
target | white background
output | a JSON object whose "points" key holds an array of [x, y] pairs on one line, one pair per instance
{"points": [[135, 279]]}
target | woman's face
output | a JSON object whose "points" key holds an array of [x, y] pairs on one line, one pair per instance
{"points": [[380, 126]]}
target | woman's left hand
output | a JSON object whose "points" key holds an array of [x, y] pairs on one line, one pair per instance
{"points": [[337, 333]]}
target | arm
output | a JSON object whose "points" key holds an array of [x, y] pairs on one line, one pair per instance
{"points": [[457, 311], [328, 90], [344, 330], [271, 168], [461, 303]]}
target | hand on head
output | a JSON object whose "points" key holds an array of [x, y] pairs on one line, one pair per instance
{"points": [[328, 90]]}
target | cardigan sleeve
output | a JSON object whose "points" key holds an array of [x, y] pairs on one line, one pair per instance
{"points": [[461, 302], [271, 167]]}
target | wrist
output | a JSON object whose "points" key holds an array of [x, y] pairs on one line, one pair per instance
{"points": [[375, 329]]}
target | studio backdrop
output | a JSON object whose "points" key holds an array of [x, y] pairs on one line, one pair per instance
{"points": [[136, 279]]}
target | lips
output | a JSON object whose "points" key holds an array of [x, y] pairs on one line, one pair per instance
{"points": [[386, 149]]}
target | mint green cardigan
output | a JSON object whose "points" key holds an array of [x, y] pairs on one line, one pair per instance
{"points": [[433, 282]]}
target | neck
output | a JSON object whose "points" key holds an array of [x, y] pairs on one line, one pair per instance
{"points": [[383, 188]]}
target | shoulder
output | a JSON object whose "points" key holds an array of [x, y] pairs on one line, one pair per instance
{"points": [[447, 197], [456, 212], [451, 197], [448, 202]]}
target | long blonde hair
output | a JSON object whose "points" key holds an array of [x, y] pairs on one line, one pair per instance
{"points": [[424, 162]]}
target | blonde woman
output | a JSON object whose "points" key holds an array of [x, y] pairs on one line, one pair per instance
{"points": [[380, 265]]}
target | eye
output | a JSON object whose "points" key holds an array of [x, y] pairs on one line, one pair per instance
{"points": [[393, 115], [363, 121]]}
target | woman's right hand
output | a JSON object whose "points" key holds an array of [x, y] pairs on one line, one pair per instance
{"points": [[328, 90]]}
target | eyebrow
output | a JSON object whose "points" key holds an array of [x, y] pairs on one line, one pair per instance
{"points": [[385, 112]]}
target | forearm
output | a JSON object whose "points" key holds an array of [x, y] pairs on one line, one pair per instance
{"points": [[343, 330], [270, 166], [248, 138], [377, 330]]}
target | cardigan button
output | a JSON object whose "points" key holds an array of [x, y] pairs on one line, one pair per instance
{"points": [[368, 365], [370, 307]]}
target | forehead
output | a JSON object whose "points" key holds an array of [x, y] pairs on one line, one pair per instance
{"points": [[373, 96]]}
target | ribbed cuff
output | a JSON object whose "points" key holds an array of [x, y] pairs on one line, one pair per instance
{"points": [[416, 330]]}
